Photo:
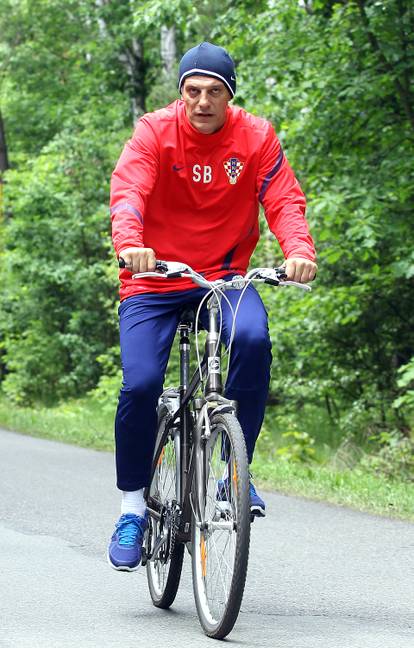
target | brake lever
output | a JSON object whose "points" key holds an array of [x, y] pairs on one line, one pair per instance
{"points": [[162, 266], [281, 273], [273, 277]]}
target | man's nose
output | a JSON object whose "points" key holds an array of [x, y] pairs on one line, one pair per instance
{"points": [[204, 100]]}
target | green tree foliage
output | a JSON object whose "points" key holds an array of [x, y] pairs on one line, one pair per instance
{"points": [[335, 78], [337, 85], [57, 292], [64, 116]]}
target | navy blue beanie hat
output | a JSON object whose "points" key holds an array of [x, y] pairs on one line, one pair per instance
{"points": [[209, 60]]}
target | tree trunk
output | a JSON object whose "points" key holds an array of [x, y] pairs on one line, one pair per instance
{"points": [[4, 161], [168, 50], [401, 83], [132, 59]]}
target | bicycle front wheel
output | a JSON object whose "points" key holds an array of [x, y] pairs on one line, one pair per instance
{"points": [[221, 527], [165, 564]]}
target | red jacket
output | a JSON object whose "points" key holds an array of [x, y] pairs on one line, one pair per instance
{"points": [[195, 198]]}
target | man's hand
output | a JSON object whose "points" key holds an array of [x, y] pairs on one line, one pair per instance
{"points": [[138, 259], [301, 270]]}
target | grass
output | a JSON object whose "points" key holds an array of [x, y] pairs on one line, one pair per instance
{"points": [[354, 488], [87, 423], [84, 422]]}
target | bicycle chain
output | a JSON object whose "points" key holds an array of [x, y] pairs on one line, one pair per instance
{"points": [[170, 520], [174, 524]]}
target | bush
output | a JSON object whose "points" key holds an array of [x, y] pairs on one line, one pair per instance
{"points": [[58, 275], [394, 457]]}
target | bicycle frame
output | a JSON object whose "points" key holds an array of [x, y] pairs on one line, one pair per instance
{"points": [[189, 423]]}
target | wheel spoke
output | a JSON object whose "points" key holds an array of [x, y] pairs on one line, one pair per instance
{"points": [[219, 590], [163, 572]]}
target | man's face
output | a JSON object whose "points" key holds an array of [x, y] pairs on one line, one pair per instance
{"points": [[206, 100]]}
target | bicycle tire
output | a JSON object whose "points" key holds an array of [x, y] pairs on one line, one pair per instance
{"points": [[218, 624], [164, 578]]}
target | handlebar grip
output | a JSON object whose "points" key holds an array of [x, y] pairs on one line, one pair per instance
{"points": [[121, 262]]}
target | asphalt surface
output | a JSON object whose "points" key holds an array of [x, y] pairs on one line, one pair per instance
{"points": [[319, 576]]}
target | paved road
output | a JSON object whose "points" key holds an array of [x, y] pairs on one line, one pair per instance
{"points": [[319, 576]]}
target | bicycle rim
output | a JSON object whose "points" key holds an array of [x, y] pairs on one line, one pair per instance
{"points": [[164, 571], [220, 541]]}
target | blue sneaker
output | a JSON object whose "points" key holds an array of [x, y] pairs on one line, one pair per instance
{"points": [[125, 548], [257, 505]]}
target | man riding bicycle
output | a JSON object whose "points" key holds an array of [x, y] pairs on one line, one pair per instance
{"points": [[187, 187]]}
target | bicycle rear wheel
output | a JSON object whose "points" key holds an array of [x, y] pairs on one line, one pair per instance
{"points": [[221, 535], [164, 567]]}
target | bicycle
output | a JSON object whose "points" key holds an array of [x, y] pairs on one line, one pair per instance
{"points": [[199, 492]]}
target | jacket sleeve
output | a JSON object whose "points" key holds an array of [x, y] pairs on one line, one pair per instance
{"points": [[283, 200], [131, 185]]}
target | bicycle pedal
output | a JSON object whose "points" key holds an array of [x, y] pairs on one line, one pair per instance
{"points": [[144, 558]]}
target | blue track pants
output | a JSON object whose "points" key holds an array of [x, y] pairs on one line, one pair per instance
{"points": [[148, 323]]}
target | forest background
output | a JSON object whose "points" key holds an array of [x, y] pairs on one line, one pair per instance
{"points": [[336, 80]]}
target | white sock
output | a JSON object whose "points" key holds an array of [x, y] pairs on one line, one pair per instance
{"points": [[133, 502]]}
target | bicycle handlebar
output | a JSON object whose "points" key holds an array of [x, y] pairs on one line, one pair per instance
{"points": [[174, 269]]}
